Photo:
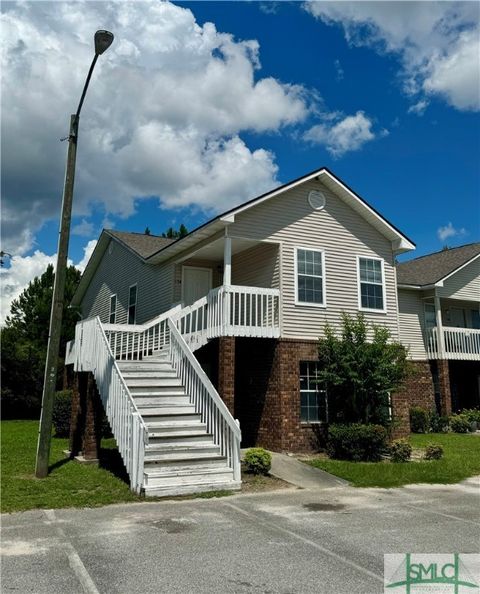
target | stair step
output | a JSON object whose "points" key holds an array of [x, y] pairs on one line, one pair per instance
{"points": [[166, 409], [154, 382], [180, 437], [213, 475], [192, 488], [144, 365], [158, 420], [138, 374], [156, 391], [187, 456], [161, 400], [200, 445], [180, 428]]}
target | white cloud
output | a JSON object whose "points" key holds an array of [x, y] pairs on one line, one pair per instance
{"points": [[348, 134], [22, 270], [340, 73], [419, 107], [84, 229], [163, 116], [87, 252], [449, 230], [437, 42]]}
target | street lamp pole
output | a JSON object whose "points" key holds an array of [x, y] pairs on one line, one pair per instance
{"points": [[103, 40]]}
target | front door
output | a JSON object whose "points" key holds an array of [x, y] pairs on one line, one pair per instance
{"points": [[196, 283], [457, 317]]}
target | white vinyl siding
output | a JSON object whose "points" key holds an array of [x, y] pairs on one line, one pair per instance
{"points": [[371, 286], [464, 284], [309, 277], [258, 266], [117, 271], [342, 234], [412, 322]]}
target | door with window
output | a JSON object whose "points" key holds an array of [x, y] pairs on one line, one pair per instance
{"points": [[196, 283]]}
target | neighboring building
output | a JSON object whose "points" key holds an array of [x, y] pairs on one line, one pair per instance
{"points": [[439, 316], [249, 293]]}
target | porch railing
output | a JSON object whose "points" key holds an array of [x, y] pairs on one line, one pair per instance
{"points": [[93, 353], [458, 343]]}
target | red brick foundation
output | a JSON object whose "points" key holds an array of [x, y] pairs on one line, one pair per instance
{"points": [[444, 387], [268, 394], [86, 416], [418, 390], [226, 371]]}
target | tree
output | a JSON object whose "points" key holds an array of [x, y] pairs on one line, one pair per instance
{"points": [[172, 233], [358, 373], [24, 342], [147, 231]]}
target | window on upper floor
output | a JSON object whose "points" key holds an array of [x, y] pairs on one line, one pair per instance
{"points": [[371, 284], [113, 309], [310, 277], [313, 400], [132, 304]]}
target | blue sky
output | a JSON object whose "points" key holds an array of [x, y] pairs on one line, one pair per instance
{"points": [[386, 96]]}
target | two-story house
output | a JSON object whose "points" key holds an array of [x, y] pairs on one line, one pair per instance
{"points": [[183, 337]]}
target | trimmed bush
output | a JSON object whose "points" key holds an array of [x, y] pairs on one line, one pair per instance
{"points": [[459, 424], [438, 424], [400, 450], [356, 442], [472, 414], [62, 407], [419, 420], [258, 461], [433, 451]]}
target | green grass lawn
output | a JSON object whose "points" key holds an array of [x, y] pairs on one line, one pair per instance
{"points": [[461, 459], [69, 484]]}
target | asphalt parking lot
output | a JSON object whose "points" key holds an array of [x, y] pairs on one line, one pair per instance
{"points": [[284, 542]]}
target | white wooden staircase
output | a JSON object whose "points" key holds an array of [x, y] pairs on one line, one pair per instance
{"points": [[173, 431], [181, 456]]}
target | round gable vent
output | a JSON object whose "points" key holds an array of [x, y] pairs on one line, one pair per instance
{"points": [[317, 200]]}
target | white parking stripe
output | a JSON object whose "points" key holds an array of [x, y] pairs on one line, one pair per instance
{"points": [[431, 511], [79, 569], [307, 541]]}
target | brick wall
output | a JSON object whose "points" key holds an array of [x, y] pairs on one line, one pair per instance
{"points": [[226, 371], [267, 394], [418, 390]]}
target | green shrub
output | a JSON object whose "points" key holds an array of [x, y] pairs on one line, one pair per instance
{"points": [[62, 407], [459, 424], [472, 414], [438, 424], [258, 461], [419, 420], [400, 450], [433, 451], [356, 442]]}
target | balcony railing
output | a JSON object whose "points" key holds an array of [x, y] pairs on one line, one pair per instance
{"points": [[462, 344]]}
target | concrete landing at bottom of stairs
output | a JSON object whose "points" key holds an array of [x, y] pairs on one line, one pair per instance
{"points": [[302, 475]]}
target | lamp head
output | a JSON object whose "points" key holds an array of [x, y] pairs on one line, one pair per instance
{"points": [[103, 40]]}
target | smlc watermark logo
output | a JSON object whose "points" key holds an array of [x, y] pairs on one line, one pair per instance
{"points": [[410, 573]]}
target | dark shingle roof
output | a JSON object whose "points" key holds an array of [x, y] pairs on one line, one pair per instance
{"points": [[429, 269], [141, 244]]}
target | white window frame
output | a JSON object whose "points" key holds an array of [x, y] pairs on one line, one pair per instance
{"points": [[384, 285], [130, 304], [114, 312], [322, 305], [316, 391]]}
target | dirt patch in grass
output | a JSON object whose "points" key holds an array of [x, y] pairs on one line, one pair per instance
{"points": [[255, 483]]}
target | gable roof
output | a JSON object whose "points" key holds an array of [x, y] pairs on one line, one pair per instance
{"points": [[141, 244], [432, 268], [401, 242]]}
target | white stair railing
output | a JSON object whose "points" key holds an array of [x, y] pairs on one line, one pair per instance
{"points": [[134, 342], [93, 353], [224, 429]]}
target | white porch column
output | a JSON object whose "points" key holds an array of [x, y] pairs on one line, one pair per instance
{"points": [[227, 261], [440, 338]]}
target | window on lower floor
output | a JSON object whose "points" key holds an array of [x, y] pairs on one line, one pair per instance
{"points": [[313, 400], [113, 309], [132, 304]]}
